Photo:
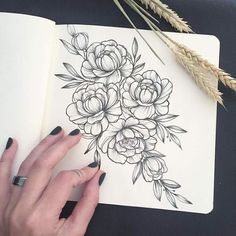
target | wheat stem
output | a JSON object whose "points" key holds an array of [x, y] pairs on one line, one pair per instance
{"points": [[134, 26], [168, 14]]}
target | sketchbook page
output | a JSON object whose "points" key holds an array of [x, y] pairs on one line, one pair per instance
{"points": [[25, 46], [150, 126]]}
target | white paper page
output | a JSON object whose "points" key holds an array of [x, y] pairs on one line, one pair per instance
{"points": [[192, 167], [25, 46]]}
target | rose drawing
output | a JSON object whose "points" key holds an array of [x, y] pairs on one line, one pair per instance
{"points": [[122, 110], [126, 140], [146, 95], [94, 107], [107, 62]]}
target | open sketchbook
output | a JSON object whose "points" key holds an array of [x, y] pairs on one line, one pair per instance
{"points": [[150, 126]]}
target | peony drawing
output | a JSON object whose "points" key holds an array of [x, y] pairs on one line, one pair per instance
{"points": [[122, 109]]}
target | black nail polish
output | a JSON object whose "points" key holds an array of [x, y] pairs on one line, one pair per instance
{"points": [[56, 131], [74, 132], [9, 143], [101, 179], [93, 165]]}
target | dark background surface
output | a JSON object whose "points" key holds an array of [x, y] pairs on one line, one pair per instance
{"points": [[217, 17]]}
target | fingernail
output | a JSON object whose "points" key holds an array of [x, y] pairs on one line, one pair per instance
{"points": [[56, 131], [9, 143], [93, 165], [74, 132], [101, 179]]}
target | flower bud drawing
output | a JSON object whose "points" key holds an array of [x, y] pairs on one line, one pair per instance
{"points": [[80, 41]]}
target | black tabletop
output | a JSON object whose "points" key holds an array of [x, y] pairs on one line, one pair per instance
{"points": [[216, 17]]}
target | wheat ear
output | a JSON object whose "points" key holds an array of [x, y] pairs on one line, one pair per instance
{"points": [[168, 14], [199, 76], [218, 73]]}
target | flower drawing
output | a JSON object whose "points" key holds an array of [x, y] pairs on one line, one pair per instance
{"points": [[94, 107], [106, 61], [126, 140], [153, 168], [122, 110], [146, 95]]}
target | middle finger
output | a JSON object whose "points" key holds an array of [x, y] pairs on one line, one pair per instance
{"points": [[41, 171]]}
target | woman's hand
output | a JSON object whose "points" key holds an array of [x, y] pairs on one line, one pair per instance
{"points": [[34, 209]]}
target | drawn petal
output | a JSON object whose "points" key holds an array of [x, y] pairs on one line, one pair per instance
{"points": [[135, 158], [127, 69], [96, 117], [112, 97], [150, 144], [73, 113], [167, 88], [114, 77], [87, 128], [112, 117], [127, 83], [128, 133], [146, 177], [96, 128], [119, 148], [142, 130], [128, 101], [130, 153], [87, 70], [116, 157], [115, 109], [102, 73], [104, 123], [143, 112], [91, 58], [105, 139], [151, 74], [163, 108], [131, 122]]}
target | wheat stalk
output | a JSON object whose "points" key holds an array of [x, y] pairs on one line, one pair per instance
{"points": [[199, 76], [168, 14]]}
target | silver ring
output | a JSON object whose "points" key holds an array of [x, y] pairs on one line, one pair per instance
{"points": [[19, 180]]}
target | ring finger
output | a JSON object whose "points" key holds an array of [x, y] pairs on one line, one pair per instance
{"points": [[27, 164]]}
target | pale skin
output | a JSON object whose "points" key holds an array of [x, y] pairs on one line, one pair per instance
{"points": [[34, 209]]}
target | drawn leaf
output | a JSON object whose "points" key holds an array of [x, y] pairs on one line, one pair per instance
{"points": [[176, 129], [71, 85], [170, 183], [138, 58], [137, 172], [70, 48], [97, 157], [160, 133], [135, 48], [170, 198], [176, 140], [182, 199], [166, 118], [157, 189], [91, 145], [71, 69], [66, 78], [138, 68]]}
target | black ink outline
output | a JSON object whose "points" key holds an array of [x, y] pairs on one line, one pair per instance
{"points": [[121, 111]]}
